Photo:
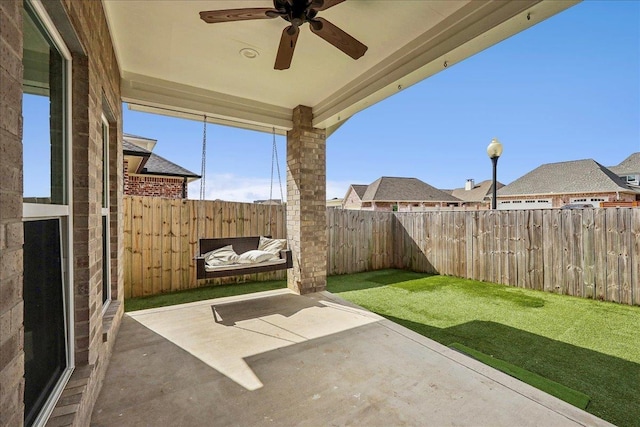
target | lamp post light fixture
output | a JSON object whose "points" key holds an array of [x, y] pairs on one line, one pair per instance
{"points": [[494, 150]]}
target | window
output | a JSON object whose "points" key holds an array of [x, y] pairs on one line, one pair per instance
{"points": [[47, 253], [106, 253], [44, 104]]}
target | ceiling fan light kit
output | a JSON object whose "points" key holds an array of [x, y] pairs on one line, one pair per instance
{"points": [[296, 12]]}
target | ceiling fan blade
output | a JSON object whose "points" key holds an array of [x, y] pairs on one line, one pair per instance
{"points": [[229, 15], [338, 38], [286, 48], [324, 4]]}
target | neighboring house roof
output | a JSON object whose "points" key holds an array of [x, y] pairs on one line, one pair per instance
{"points": [[152, 164], [133, 149], [578, 176], [395, 189], [130, 135], [629, 166], [359, 189], [157, 165], [478, 193]]}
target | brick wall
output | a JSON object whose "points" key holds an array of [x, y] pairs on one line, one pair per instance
{"points": [[306, 198], [125, 170], [96, 91], [560, 200], [352, 201], [151, 186], [11, 234]]}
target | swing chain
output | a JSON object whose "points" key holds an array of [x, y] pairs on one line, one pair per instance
{"points": [[203, 168], [274, 161]]}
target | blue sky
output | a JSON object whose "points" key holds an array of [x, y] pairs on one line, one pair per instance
{"points": [[566, 89]]}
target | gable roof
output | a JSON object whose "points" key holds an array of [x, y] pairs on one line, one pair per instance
{"points": [[133, 149], [578, 176], [359, 189], [396, 189], [152, 164], [629, 166], [157, 165], [478, 193]]}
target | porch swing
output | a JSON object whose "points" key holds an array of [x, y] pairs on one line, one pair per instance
{"points": [[235, 256]]}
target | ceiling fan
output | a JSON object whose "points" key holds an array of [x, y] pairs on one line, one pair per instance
{"points": [[297, 12]]}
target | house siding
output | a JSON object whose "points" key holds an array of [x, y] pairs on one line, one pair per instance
{"points": [[352, 201], [559, 200], [11, 231], [95, 91], [152, 186]]}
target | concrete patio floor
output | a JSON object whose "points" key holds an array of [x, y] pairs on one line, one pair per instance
{"points": [[276, 358]]}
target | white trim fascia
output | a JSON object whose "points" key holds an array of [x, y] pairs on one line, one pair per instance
{"points": [[31, 211], [179, 100], [114, 45], [51, 28], [474, 28]]}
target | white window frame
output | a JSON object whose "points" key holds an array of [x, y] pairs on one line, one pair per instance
{"points": [[106, 234], [33, 211]]}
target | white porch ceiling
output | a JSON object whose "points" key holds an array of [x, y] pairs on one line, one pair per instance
{"points": [[173, 63]]}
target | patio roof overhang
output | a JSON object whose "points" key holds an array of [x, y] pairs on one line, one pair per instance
{"points": [[173, 63]]}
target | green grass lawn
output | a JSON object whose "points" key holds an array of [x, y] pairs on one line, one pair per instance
{"points": [[589, 346], [199, 294]]}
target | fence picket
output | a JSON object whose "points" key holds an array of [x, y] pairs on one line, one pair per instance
{"points": [[591, 253]]}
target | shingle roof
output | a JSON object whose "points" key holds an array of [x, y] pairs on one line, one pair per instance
{"points": [[157, 165], [629, 166], [394, 189], [359, 189], [478, 193], [130, 135], [130, 148], [578, 176]]}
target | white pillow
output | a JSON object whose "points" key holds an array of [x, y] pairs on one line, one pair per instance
{"points": [[273, 246], [255, 256], [221, 256]]}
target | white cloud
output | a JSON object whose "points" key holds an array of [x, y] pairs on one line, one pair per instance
{"points": [[236, 188], [337, 189]]}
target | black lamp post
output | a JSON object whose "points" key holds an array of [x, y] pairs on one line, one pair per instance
{"points": [[494, 150]]}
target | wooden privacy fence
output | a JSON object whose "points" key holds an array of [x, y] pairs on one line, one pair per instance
{"points": [[161, 239], [592, 253]]}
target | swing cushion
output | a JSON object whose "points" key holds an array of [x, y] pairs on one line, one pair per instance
{"points": [[273, 246], [240, 245], [255, 256], [221, 256]]}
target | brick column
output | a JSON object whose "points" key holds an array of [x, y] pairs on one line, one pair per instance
{"points": [[11, 229], [306, 203]]}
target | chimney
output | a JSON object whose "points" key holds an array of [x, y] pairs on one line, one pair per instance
{"points": [[469, 185]]}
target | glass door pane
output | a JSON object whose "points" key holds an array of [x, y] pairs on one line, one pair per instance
{"points": [[44, 328]]}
